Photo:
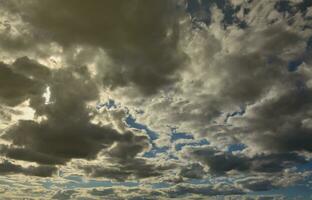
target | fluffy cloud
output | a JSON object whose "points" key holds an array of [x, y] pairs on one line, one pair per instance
{"points": [[221, 73], [6, 167], [220, 162], [16, 88], [146, 58], [50, 140]]}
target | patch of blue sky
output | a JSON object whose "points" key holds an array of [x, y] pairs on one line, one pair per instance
{"points": [[179, 135], [289, 9], [236, 147], [200, 11], [131, 121], [196, 181], [74, 178], [304, 167], [79, 182], [173, 157], [109, 104], [155, 150], [180, 146], [151, 135], [293, 65], [160, 185], [241, 112], [47, 184]]}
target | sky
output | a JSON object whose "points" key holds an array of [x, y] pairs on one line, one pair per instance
{"points": [[156, 99]]}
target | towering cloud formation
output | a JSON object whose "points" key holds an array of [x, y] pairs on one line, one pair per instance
{"points": [[65, 130], [141, 37]]}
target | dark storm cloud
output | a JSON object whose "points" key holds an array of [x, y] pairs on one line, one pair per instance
{"points": [[64, 194], [222, 162], [134, 168], [6, 168], [290, 129], [53, 140], [194, 171], [31, 69], [27, 154], [71, 140], [16, 88], [227, 82], [256, 184], [249, 74], [140, 36]]}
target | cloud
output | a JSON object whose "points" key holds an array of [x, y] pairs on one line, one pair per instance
{"points": [[16, 88], [195, 171], [128, 169], [287, 132], [6, 168], [221, 72], [219, 189], [226, 76], [220, 162], [31, 69], [66, 194], [256, 184], [141, 37], [50, 140]]}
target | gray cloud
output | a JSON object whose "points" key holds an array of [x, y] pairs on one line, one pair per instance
{"points": [[128, 169], [226, 76], [256, 184], [222, 162], [53, 141], [66, 194], [31, 69], [219, 189], [6, 168], [195, 170], [287, 132], [16, 88], [224, 82], [141, 37]]}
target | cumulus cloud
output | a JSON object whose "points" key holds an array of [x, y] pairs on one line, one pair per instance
{"points": [[6, 168], [16, 88], [141, 37], [220, 162], [195, 170], [226, 84], [219, 189], [53, 141], [287, 132]]}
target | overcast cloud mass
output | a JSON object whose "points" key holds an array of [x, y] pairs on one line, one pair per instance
{"points": [[156, 99]]}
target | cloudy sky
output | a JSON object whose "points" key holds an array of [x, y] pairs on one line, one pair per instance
{"points": [[156, 99]]}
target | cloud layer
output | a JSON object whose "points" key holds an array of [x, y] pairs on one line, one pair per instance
{"points": [[155, 99]]}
